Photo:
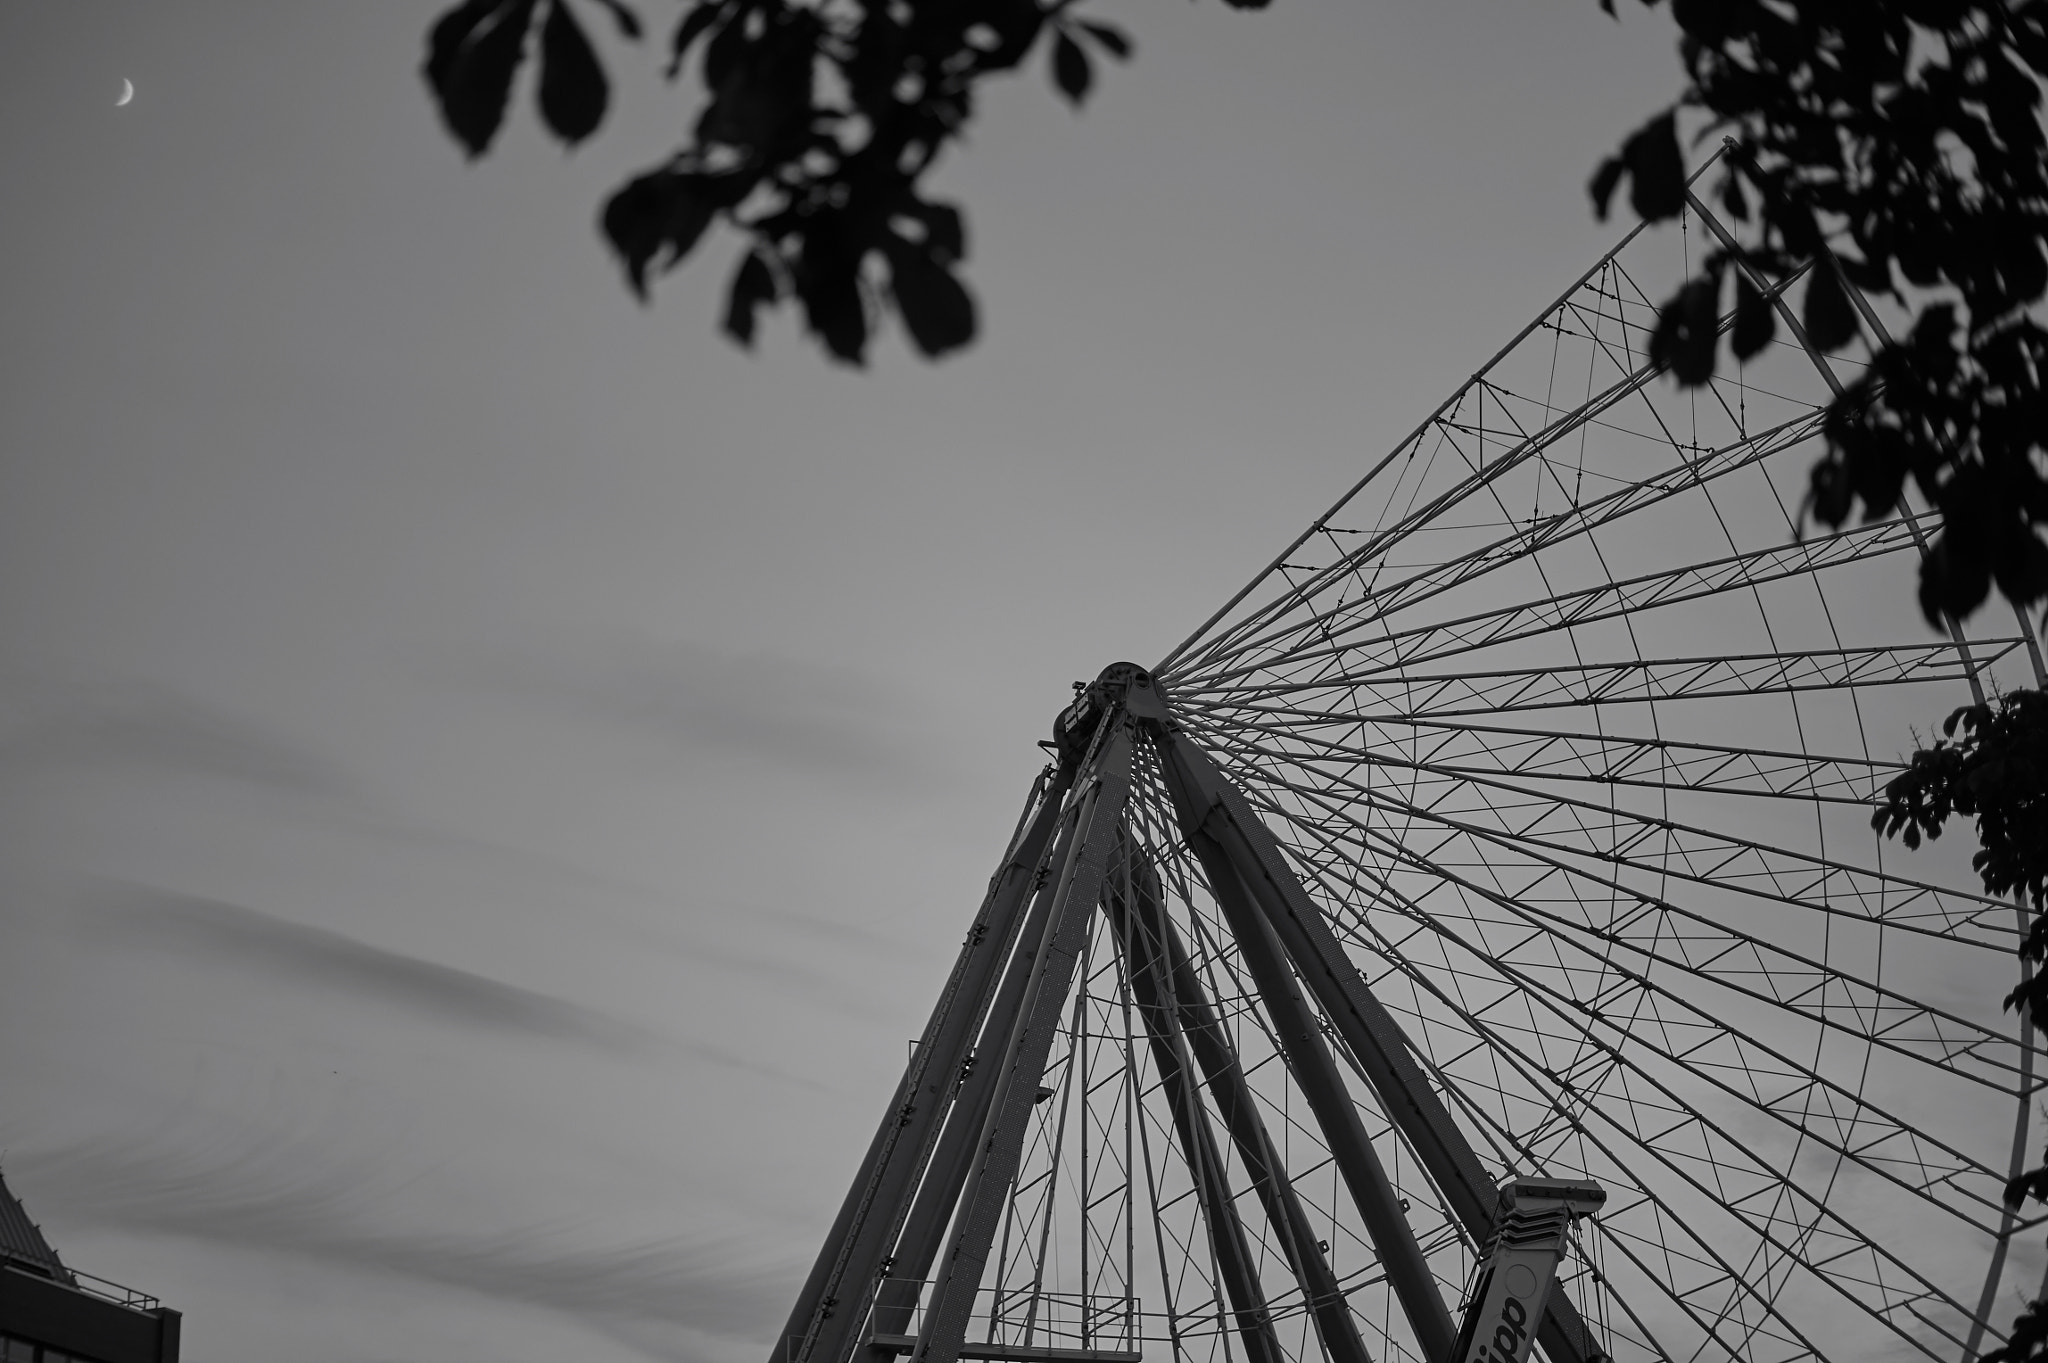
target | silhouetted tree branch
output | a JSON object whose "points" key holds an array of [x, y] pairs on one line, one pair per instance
{"points": [[1997, 774], [817, 122], [1895, 146]]}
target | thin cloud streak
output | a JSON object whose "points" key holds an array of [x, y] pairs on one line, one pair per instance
{"points": [[678, 932], [133, 724], [243, 1202], [280, 949], [788, 712], [139, 725], [284, 950]]}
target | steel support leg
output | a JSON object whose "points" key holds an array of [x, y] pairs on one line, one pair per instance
{"points": [[829, 1307], [1369, 1031], [1174, 1004], [1315, 1072], [924, 1230], [1104, 790]]}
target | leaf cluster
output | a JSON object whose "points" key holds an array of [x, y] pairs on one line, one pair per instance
{"points": [[1995, 772], [2029, 1337], [1887, 148], [816, 124]]}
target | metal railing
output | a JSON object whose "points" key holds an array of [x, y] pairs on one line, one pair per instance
{"points": [[1021, 1318], [91, 1285]]}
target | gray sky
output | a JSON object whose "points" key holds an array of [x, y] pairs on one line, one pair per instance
{"points": [[491, 775]]}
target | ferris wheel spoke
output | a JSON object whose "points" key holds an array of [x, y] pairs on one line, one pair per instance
{"points": [[1462, 748], [1701, 1152], [1275, 1179], [1611, 1088], [1516, 690], [1553, 426], [1424, 643], [1231, 988], [1695, 944], [1754, 870], [1518, 541], [1632, 1004], [1667, 1131], [1560, 827], [1654, 1256], [1889, 1282], [1656, 934], [1445, 430]]}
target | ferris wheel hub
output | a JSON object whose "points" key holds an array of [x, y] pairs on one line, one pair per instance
{"points": [[1074, 727]]}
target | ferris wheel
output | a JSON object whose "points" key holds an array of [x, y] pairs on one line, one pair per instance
{"points": [[1508, 835]]}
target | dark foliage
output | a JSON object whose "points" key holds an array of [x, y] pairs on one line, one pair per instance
{"points": [[1996, 772], [1896, 148], [2029, 1337], [816, 123]]}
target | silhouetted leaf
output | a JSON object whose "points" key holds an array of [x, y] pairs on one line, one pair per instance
{"points": [[1711, 21], [752, 285], [1603, 184], [2030, 35], [722, 56], [1955, 577], [572, 85], [2019, 562], [937, 309], [1656, 170], [2033, 1183], [945, 233], [1829, 493], [1877, 462], [446, 40], [1112, 39], [762, 105], [1733, 199], [1071, 70], [828, 284], [1684, 338], [1017, 24], [1871, 276], [1830, 320], [689, 29], [627, 22], [470, 65], [663, 211], [1756, 319]]}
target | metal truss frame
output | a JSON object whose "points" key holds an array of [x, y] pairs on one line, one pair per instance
{"points": [[950, 1142]]}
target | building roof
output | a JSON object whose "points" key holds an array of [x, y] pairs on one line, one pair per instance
{"points": [[21, 1240]]}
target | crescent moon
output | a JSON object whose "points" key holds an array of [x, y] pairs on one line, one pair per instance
{"points": [[127, 93]]}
